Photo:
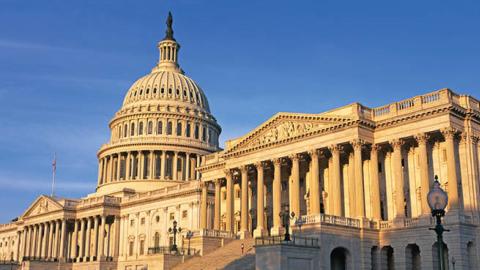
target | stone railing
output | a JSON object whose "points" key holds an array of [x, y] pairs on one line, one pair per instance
{"points": [[215, 233], [298, 241], [164, 191], [98, 200], [410, 222], [440, 97], [330, 219], [8, 226]]}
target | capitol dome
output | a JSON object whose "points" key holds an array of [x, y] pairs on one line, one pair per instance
{"points": [[161, 131]]}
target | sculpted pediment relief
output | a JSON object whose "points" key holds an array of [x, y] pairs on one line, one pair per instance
{"points": [[285, 126], [42, 205]]}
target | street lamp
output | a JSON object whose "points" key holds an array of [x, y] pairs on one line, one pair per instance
{"points": [[299, 222], [437, 200], [189, 236], [174, 230], [286, 216]]}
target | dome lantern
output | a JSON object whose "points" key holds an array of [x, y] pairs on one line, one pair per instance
{"points": [[168, 47]]}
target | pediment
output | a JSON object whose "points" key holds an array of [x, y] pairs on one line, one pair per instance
{"points": [[43, 204], [284, 126]]}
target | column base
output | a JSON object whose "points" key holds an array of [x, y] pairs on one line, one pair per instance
{"points": [[277, 231], [260, 232], [243, 234]]}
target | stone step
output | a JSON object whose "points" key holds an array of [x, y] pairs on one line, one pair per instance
{"points": [[228, 257]]}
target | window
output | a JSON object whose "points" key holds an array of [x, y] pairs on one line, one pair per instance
{"points": [[224, 195], [130, 249], [140, 128], [142, 221], [132, 129], [184, 214], [142, 246], [187, 131], [132, 222], [160, 127], [179, 129], [162, 90], [379, 167], [169, 128], [156, 240], [150, 127], [238, 193], [125, 133], [196, 131], [120, 131], [204, 133], [172, 216], [157, 219]]}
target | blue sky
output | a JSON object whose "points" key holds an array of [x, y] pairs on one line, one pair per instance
{"points": [[66, 65]]}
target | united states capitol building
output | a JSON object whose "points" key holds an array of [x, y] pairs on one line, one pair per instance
{"points": [[355, 181]]}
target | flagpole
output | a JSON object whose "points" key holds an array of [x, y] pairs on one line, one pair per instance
{"points": [[54, 170]]}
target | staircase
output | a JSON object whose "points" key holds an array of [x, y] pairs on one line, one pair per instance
{"points": [[228, 257]]}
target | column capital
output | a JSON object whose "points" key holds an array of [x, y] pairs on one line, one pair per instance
{"points": [[217, 181], [357, 143], [374, 147], [397, 143], [259, 165], [244, 169], [227, 172], [422, 138], [335, 148], [449, 132], [277, 161], [294, 157], [313, 153]]}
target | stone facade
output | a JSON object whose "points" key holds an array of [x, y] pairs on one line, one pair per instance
{"points": [[356, 177]]}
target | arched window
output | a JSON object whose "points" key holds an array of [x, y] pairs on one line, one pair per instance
{"points": [[120, 131], [204, 133], [160, 127], [179, 128], [140, 128], [196, 131], [169, 127], [132, 129], [150, 127], [125, 132], [187, 131]]}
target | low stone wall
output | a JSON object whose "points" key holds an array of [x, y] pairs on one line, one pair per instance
{"points": [[284, 257]]}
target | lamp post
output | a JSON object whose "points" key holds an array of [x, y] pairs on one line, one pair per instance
{"points": [[299, 223], [437, 200], [174, 230], [286, 216], [189, 236]]}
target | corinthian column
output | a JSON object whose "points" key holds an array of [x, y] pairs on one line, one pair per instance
{"points": [[203, 206], [277, 197], [336, 187], [229, 201], [398, 178], [73, 251], [452, 188], [62, 239], [359, 194], [422, 140], [295, 185], [244, 203], [216, 222], [260, 230], [314, 183], [175, 166], [128, 164], [375, 183]]}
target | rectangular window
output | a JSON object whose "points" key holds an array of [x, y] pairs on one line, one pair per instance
{"points": [[142, 221], [172, 216], [132, 222], [379, 167], [130, 249], [142, 247]]}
